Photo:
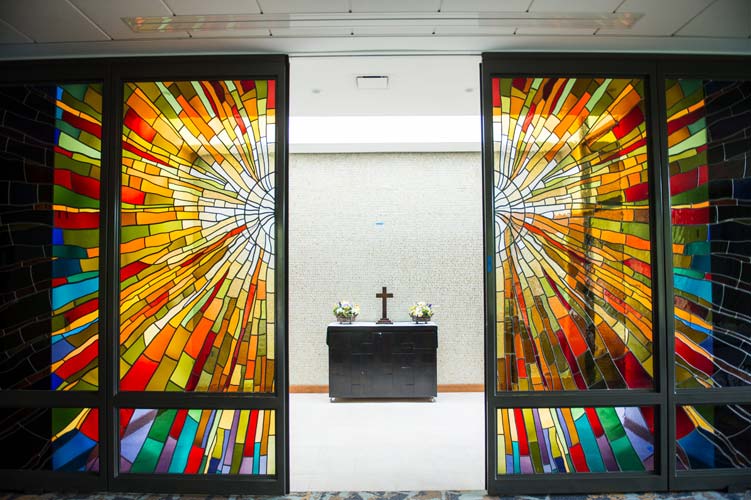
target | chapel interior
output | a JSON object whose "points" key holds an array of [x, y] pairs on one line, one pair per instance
{"points": [[375, 250]]}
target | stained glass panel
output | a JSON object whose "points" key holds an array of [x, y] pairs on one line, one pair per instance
{"points": [[50, 151], [198, 441], [709, 128], [61, 439], [566, 440], [713, 437], [197, 241], [572, 233]]}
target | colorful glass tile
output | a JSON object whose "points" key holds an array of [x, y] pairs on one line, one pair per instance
{"points": [[572, 234], [197, 441], [565, 440], [713, 437], [61, 439], [709, 141], [49, 221], [197, 242]]}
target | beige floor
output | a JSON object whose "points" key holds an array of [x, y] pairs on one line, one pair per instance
{"points": [[373, 445]]}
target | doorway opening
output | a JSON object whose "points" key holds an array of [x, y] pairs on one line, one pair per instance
{"points": [[385, 190]]}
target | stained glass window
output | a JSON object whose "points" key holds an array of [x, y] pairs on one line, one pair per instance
{"points": [[197, 240], [713, 437], [572, 234], [49, 249], [709, 141], [62, 439], [198, 441], [565, 440]]}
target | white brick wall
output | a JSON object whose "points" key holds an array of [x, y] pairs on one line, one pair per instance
{"points": [[428, 247]]}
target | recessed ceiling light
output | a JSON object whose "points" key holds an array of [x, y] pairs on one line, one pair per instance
{"points": [[316, 91]]}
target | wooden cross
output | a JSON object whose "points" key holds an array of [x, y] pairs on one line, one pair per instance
{"points": [[385, 317]]}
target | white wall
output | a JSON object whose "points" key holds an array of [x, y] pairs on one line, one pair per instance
{"points": [[409, 221]]}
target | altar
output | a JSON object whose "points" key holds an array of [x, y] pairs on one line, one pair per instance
{"points": [[372, 360]]}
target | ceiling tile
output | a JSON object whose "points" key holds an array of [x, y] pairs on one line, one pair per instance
{"points": [[215, 7], [246, 33], [303, 6], [108, 15], [484, 6], [8, 34], [311, 32], [531, 30], [49, 21], [393, 30], [475, 31], [724, 18], [660, 18], [395, 6], [590, 6]]}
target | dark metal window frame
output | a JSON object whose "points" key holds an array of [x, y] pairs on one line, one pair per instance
{"points": [[653, 70], [113, 73]]}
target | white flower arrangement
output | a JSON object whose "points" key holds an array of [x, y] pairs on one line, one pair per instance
{"points": [[345, 310], [421, 311]]}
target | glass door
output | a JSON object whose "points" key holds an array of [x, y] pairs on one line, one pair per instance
{"points": [[201, 398], [573, 359]]}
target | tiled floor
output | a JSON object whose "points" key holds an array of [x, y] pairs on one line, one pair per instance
{"points": [[385, 495], [387, 445]]}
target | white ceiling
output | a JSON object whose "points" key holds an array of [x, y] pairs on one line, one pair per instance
{"points": [[418, 85], [432, 104], [73, 28]]}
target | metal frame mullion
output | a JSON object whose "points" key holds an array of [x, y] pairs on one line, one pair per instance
{"points": [[550, 399], [216, 400], [662, 297], [664, 272], [281, 277], [726, 395], [49, 399], [199, 484], [48, 480], [110, 234], [130, 69], [562, 484], [491, 426]]}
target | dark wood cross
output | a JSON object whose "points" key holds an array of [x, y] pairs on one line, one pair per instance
{"points": [[385, 317]]}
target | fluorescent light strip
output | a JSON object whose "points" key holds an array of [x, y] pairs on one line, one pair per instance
{"points": [[618, 20]]}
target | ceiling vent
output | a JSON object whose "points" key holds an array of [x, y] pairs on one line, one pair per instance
{"points": [[380, 82]]}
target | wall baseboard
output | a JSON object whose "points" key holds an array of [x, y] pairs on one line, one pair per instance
{"points": [[316, 389], [461, 387], [308, 389]]}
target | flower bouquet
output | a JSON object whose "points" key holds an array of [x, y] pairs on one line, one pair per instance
{"points": [[421, 312], [346, 312]]}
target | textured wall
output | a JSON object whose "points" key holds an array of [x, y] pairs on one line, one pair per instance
{"points": [[409, 221]]}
